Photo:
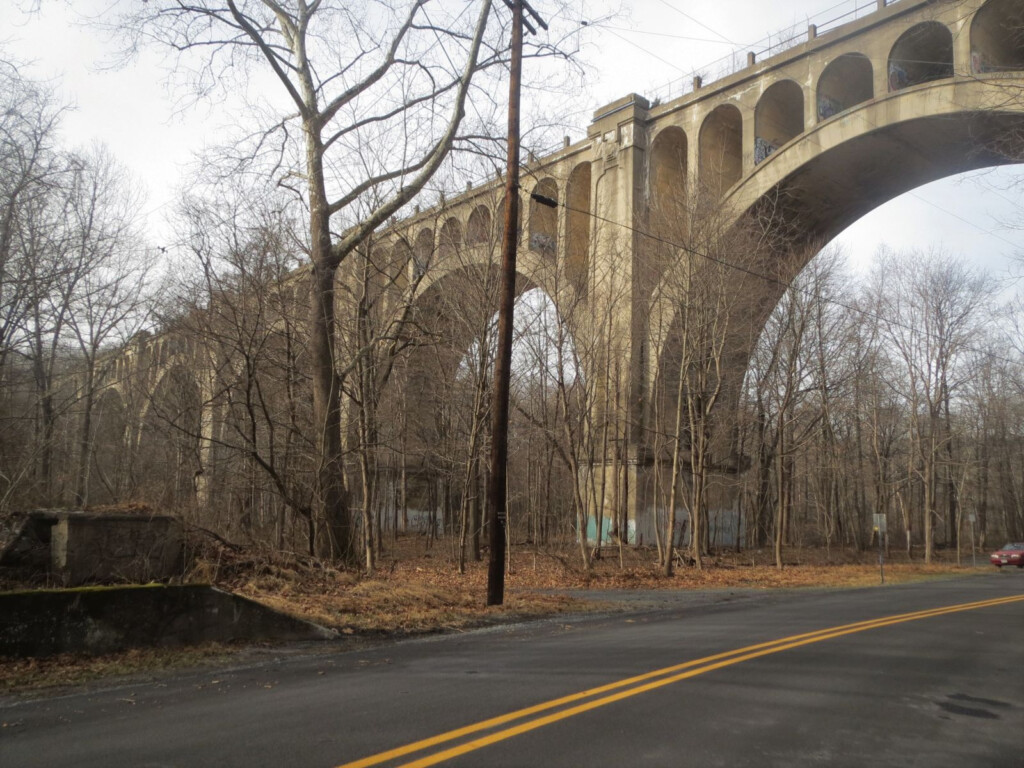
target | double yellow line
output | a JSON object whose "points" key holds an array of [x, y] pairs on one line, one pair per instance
{"points": [[633, 686]]}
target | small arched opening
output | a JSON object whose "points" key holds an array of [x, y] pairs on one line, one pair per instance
{"points": [[668, 182], [450, 239], [923, 53], [577, 231], [401, 256], [478, 230], [499, 223], [422, 252], [846, 82], [997, 37], [778, 119], [721, 149]]}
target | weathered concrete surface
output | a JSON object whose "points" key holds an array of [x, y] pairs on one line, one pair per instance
{"points": [[76, 547], [28, 551], [106, 619]]}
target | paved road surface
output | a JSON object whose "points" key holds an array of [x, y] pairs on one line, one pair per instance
{"points": [[715, 688]]}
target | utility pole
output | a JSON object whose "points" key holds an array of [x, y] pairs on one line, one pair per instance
{"points": [[496, 489]]}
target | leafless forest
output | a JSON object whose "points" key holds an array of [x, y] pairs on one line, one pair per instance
{"points": [[296, 378]]}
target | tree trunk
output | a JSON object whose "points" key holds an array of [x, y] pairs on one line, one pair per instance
{"points": [[85, 443]]}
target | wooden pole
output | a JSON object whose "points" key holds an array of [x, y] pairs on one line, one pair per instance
{"points": [[496, 489]]}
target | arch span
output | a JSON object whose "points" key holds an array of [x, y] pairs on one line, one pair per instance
{"points": [[167, 459], [839, 170], [105, 479], [832, 175]]}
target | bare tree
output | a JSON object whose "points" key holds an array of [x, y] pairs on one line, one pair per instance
{"points": [[241, 307], [345, 74], [932, 306], [108, 304]]}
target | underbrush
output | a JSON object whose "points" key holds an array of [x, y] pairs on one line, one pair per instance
{"points": [[417, 589], [416, 586]]}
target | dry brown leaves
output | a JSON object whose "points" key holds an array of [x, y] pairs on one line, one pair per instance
{"points": [[75, 669], [418, 589]]}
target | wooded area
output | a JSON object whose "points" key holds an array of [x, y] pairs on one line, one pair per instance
{"points": [[288, 386]]}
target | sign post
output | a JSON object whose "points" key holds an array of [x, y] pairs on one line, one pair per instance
{"points": [[972, 519], [880, 532]]}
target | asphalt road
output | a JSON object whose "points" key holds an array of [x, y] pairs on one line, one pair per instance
{"points": [[716, 688]]}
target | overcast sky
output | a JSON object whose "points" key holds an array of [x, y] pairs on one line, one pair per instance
{"points": [[651, 43]]}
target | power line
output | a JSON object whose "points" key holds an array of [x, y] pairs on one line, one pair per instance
{"points": [[649, 52], [696, 21], [707, 66], [666, 34], [785, 285]]}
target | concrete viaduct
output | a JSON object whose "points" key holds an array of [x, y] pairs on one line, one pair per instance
{"points": [[792, 148]]}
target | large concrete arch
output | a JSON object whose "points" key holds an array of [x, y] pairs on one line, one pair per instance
{"points": [[110, 423], [853, 116], [452, 314], [167, 455], [870, 147], [808, 193]]}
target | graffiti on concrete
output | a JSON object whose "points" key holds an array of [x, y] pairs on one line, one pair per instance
{"points": [[980, 62], [827, 107], [898, 77], [543, 243], [762, 149]]}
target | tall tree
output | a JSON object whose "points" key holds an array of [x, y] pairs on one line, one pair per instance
{"points": [[393, 74], [931, 306]]}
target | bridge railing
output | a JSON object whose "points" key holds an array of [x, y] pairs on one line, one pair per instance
{"points": [[738, 59]]}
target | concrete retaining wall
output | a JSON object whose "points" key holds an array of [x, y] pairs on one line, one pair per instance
{"points": [[105, 619], [75, 547]]}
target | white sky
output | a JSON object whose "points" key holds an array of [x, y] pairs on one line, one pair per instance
{"points": [[651, 43]]}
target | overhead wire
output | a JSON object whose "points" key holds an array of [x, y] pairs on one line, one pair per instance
{"points": [[696, 21], [648, 52], [874, 62], [784, 284], [665, 34]]}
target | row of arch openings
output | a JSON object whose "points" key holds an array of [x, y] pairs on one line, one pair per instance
{"points": [[921, 54], [483, 227]]}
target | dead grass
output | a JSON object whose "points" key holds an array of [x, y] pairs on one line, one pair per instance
{"points": [[417, 590], [17, 675]]}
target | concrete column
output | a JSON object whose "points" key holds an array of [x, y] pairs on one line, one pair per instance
{"points": [[810, 90], [749, 112], [880, 71], [617, 304], [693, 151], [961, 29]]}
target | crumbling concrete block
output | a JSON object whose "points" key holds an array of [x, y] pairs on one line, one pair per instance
{"points": [[86, 547]]}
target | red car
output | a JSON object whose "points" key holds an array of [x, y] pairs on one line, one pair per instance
{"points": [[1010, 554]]}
